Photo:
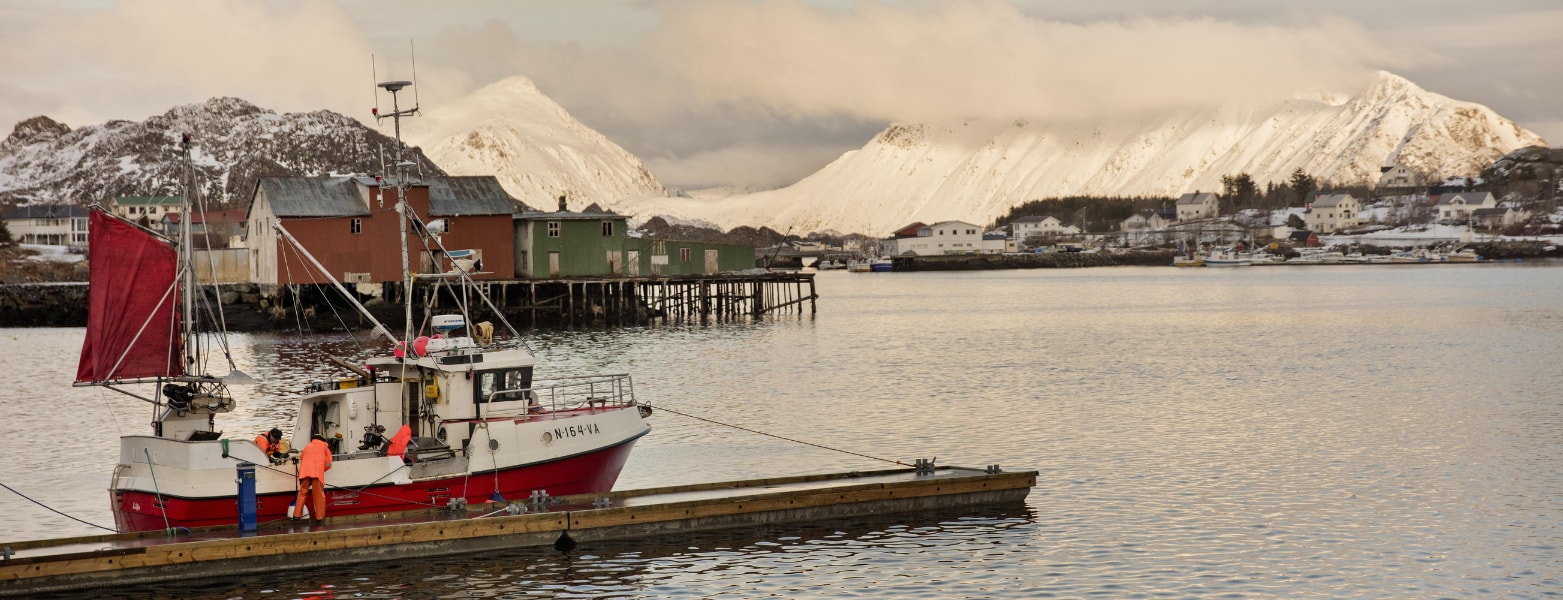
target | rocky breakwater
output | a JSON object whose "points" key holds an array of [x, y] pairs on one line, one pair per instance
{"points": [[64, 304], [43, 304], [1048, 260]]}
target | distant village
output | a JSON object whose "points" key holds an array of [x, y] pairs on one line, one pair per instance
{"points": [[1401, 210]]}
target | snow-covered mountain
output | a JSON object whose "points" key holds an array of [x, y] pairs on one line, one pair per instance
{"points": [[975, 170], [538, 151], [234, 142]]}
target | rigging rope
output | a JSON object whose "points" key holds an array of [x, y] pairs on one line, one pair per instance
{"points": [[51, 509], [713, 421]]}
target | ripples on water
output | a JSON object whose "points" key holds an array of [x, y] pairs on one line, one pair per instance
{"points": [[1280, 432]]}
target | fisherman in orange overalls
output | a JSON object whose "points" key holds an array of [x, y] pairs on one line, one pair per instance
{"points": [[268, 443], [313, 463]]}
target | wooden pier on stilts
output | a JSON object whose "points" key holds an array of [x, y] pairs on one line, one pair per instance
{"points": [[34, 567]]}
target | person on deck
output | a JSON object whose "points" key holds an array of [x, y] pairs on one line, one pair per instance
{"points": [[313, 463], [399, 442], [269, 444]]}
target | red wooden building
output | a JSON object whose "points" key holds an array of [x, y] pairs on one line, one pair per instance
{"points": [[350, 225]]}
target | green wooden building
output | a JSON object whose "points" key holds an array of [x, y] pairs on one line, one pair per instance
{"points": [[572, 244]]}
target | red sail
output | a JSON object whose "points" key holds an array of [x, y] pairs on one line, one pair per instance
{"points": [[132, 301]]}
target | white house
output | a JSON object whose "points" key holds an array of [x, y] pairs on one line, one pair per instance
{"points": [[1498, 218], [52, 225], [1400, 177], [1025, 228], [1458, 207], [1330, 213], [944, 237], [1198, 205], [132, 208]]}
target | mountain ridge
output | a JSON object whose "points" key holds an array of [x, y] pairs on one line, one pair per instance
{"points": [[234, 143], [973, 170]]}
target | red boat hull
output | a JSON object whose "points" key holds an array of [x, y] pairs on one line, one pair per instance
{"points": [[587, 473]]}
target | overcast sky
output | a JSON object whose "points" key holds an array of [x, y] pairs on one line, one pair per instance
{"points": [[763, 92]]}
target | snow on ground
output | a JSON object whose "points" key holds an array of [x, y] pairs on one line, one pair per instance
{"points": [[58, 254]]}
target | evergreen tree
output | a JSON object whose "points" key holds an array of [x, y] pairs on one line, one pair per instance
{"points": [[1302, 184], [5, 234], [1238, 191]]}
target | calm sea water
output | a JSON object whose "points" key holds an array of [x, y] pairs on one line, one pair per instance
{"points": [[1360, 431]]}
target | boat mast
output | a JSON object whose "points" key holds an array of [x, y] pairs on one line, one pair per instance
{"points": [[402, 208], [187, 262]]}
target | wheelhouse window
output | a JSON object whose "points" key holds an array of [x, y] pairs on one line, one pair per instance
{"points": [[358, 226], [502, 385], [553, 229]]}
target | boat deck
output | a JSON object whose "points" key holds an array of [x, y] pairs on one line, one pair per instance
{"points": [[118, 559]]}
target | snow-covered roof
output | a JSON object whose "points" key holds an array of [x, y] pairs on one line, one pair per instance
{"points": [[1331, 200], [1466, 198]]}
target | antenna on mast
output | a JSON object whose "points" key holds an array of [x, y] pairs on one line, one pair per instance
{"points": [[413, 56], [374, 78]]}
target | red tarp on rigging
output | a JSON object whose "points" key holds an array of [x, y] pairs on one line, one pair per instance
{"points": [[132, 304]]}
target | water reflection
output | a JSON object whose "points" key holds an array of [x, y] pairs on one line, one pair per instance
{"points": [[1320, 432]]}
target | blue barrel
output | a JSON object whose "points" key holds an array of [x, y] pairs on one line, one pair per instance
{"points": [[247, 519]]}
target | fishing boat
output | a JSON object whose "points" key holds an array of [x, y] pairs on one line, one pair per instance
{"points": [[881, 264], [1226, 257], [482, 427]]}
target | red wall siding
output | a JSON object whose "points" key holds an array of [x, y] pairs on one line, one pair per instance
{"points": [[376, 251]]}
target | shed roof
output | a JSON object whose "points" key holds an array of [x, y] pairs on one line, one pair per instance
{"points": [[148, 200], [454, 196], [567, 216], [313, 196], [47, 211], [1196, 198], [343, 196]]}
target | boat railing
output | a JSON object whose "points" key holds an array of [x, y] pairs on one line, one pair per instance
{"points": [[556, 394]]}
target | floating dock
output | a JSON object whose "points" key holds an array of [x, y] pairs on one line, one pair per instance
{"points": [[136, 558]]}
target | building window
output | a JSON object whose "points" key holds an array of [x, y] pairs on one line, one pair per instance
{"points": [[607, 229], [357, 226], [683, 254], [553, 229]]}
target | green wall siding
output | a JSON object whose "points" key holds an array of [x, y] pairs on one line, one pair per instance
{"points": [[584, 251]]}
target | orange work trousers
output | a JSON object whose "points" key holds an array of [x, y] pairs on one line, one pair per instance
{"points": [[313, 490]]}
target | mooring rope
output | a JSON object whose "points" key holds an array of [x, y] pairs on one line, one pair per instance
{"points": [[713, 421], [51, 509]]}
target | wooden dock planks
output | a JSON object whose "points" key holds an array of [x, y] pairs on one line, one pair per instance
{"points": [[81, 563]]}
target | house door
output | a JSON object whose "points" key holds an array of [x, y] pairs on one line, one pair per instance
{"points": [[553, 264], [615, 258], [711, 262], [632, 263]]}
